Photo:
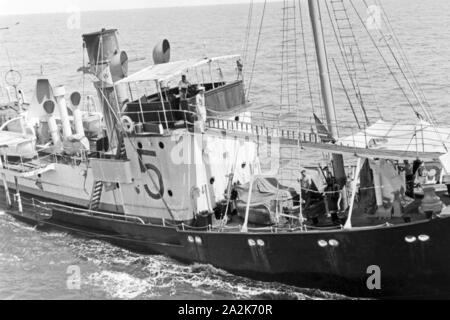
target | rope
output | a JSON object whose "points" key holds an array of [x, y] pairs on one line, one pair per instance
{"points": [[403, 55], [247, 32], [256, 49], [306, 56], [347, 95], [427, 114], [384, 60], [353, 78]]}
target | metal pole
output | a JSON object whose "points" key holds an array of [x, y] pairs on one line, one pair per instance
{"points": [[158, 87], [5, 184], [348, 223], [324, 73], [18, 199], [325, 84], [244, 227]]}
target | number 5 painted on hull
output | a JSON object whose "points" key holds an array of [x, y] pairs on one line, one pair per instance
{"points": [[146, 167]]}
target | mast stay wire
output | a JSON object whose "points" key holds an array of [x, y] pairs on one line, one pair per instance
{"points": [[246, 43], [305, 53], [401, 69], [341, 49], [346, 93], [429, 117], [405, 59], [341, 43], [256, 49], [418, 115]]}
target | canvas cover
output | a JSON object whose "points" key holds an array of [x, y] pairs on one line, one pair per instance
{"points": [[263, 192], [419, 137], [264, 199]]}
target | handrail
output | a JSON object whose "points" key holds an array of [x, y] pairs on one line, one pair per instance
{"points": [[74, 210], [124, 113]]}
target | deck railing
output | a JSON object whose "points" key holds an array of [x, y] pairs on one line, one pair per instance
{"points": [[80, 211], [169, 119]]}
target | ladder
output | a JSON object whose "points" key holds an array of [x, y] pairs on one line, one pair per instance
{"points": [[97, 189], [289, 100], [290, 166], [350, 50]]}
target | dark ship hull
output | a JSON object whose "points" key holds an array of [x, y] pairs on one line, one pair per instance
{"points": [[412, 258]]}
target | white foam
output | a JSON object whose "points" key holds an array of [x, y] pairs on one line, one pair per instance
{"points": [[121, 285]]}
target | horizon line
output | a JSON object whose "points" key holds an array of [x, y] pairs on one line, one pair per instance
{"points": [[135, 8]]}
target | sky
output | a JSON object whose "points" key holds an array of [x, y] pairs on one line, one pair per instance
{"points": [[47, 6]]}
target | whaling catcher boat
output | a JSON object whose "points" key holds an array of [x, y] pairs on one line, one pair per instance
{"points": [[178, 172]]}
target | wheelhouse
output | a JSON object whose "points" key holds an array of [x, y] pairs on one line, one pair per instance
{"points": [[155, 102]]}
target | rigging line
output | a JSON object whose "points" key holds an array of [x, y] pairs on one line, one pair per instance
{"points": [[402, 72], [398, 43], [289, 80], [353, 78], [385, 61], [256, 49], [427, 114], [346, 64], [283, 44], [404, 58], [294, 20], [306, 56], [247, 33], [346, 93], [8, 56], [83, 80]]}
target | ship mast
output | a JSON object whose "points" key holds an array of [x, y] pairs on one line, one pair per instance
{"points": [[325, 84]]}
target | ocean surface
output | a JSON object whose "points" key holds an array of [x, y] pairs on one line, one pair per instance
{"points": [[36, 265]]}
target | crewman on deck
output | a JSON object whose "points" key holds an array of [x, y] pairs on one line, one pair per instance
{"points": [[409, 177], [311, 198], [183, 87], [305, 183], [201, 109], [308, 188]]}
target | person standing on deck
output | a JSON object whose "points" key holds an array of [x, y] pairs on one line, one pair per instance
{"points": [[201, 109], [183, 87], [409, 177]]}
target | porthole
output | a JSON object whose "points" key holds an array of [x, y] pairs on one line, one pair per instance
{"points": [[198, 240], [333, 243], [424, 237], [260, 242], [236, 118], [410, 239], [170, 193], [251, 242], [140, 146], [243, 165], [191, 239], [161, 145], [212, 180], [322, 243]]}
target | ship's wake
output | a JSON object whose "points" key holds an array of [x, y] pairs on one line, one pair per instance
{"points": [[126, 275], [112, 272]]}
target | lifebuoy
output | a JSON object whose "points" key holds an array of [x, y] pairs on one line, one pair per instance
{"points": [[159, 195], [127, 124]]}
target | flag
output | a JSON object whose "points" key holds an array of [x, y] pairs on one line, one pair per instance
{"points": [[322, 131]]}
